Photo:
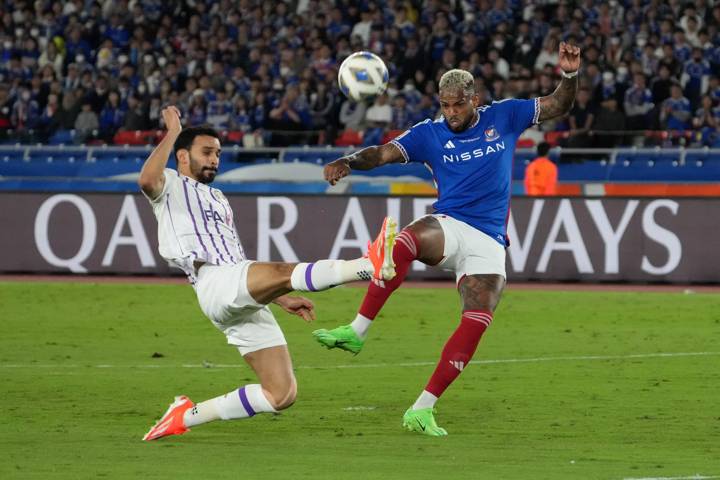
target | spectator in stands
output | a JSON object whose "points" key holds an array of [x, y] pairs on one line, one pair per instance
{"points": [[609, 119], [352, 115], [379, 115], [154, 48], [675, 111], [322, 103], [51, 56], [638, 103], [112, 117], [661, 85], [86, 123], [541, 175], [402, 114], [580, 120], [378, 118], [695, 77], [25, 113], [707, 121], [136, 117], [6, 103], [548, 55], [219, 111], [49, 118]]}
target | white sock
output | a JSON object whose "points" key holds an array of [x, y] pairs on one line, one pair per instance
{"points": [[425, 400], [361, 325], [324, 274], [241, 403]]}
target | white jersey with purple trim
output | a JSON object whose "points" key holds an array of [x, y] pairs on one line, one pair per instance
{"points": [[195, 223]]}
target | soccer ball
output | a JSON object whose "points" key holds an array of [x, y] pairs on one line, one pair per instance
{"points": [[362, 76]]}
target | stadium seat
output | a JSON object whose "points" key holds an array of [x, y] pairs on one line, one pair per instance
{"points": [[349, 138], [134, 137], [234, 137], [554, 137], [390, 135], [62, 137]]}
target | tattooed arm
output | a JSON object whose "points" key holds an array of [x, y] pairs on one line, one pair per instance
{"points": [[561, 100], [366, 159]]}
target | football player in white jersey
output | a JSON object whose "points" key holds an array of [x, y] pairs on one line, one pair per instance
{"points": [[196, 233]]}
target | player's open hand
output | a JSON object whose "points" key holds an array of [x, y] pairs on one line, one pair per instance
{"points": [[336, 170], [569, 57], [171, 117], [300, 306]]}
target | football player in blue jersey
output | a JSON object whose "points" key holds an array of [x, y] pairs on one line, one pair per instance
{"points": [[469, 149]]}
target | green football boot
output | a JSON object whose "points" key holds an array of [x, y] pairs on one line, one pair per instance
{"points": [[343, 337], [422, 421]]}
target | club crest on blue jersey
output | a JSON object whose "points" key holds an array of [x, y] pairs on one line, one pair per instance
{"points": [[491, 134]]}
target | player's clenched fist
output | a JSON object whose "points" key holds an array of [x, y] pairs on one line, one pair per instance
{"points": [[171, 117], [336, 170], [569, 57]]}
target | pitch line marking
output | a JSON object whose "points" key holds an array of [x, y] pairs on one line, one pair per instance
{"points": [[691, 477], [389, 365]]}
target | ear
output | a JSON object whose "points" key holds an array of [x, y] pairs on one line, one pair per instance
{"points": [[183, 157], [475, 100]]}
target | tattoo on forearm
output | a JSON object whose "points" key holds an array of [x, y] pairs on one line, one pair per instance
{"points": [[560, 101], [365, 159]]}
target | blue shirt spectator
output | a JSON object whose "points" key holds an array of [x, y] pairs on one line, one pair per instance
{"points": [[675, 111]]}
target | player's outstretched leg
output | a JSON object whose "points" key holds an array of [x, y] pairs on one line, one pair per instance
{"points": [[352, 337], [276, 391], [456, 355]]}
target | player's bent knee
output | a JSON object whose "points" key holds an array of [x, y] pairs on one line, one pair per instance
{"points": [[284, 397]]}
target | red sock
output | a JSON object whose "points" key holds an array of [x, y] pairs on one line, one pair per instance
{"points": [[459, 349], [405, 251]]}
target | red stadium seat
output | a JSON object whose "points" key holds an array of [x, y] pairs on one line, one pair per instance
{"points": [[234, 136], [554, 137], [349, 138], [391, 135], [525, 143], [134, 137]]}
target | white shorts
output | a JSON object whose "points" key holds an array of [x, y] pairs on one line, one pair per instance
{"points": [[468, 251], [224, 298]]}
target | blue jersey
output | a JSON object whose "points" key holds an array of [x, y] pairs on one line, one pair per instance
{"points": [[473, 169]]}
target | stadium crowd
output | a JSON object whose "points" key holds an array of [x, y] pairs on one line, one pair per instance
{"points": [[84, 70]]}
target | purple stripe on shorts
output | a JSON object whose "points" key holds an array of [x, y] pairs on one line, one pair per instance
{"points": [[308, 278], [192, 217], [245, 402]]}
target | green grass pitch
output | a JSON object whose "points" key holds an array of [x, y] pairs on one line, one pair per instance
{"points": [[564, 386]]}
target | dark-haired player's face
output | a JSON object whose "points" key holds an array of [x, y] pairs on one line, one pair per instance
{"points": [[458, 108], [204, 158]]}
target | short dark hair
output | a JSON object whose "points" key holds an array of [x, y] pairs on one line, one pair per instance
{"points": [[187, 137], [543, 149]]}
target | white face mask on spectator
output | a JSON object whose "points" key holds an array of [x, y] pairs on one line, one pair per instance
{"points": [[79, 58], [525, 47], [641, 42], [499, 44]]}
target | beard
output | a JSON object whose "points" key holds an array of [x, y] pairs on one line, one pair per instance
{"points": [[207, 175], [202, 174]]}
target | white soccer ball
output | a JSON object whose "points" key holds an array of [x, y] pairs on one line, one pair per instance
{"points": [[362, 76]]}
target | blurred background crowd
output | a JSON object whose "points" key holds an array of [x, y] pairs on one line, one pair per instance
{"points": [[265, 72]]}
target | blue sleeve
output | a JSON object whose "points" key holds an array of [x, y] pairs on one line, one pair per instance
{"points": [[521, 114], [411, 142]]}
